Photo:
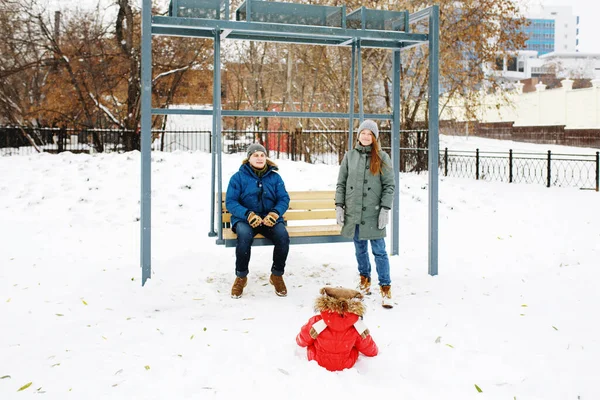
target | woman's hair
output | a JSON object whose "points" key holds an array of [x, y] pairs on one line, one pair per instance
{"points": [[376, 162]]}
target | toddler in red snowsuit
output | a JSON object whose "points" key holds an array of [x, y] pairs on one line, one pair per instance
{"points": [[335, 337]]}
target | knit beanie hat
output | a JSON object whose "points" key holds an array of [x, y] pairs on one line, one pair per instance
{"points": [[254, 147], [370, 125]]}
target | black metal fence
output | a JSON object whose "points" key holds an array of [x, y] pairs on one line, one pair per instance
{"points": [[550, 169], [326, 147], [27, 140]]}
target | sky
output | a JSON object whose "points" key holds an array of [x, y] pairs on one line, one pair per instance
{"points": [[510, 311]]}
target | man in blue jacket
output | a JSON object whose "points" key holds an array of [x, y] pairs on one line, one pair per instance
{"points": [[257, 200]]}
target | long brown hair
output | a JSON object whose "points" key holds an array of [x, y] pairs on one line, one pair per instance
{"points": [[376, 163]]}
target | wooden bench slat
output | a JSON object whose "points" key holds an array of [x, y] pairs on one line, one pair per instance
{"points": [[307, 195], [296, 231], [297, 215], [318, 204], [328, 204]]}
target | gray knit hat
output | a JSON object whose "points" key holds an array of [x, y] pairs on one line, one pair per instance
{"points": [[254, 147], [370, 125]]}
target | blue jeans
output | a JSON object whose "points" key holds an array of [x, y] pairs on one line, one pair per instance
{"points": [[278, 234], [382, 263]]}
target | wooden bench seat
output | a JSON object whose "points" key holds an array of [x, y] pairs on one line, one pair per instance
{"points": [[310, 218]]}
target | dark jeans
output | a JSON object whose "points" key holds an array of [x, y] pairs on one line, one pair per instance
{"points": [[278, 234]]}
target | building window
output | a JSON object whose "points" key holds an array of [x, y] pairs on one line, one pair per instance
{"points": [[521, 66], [499, 64], [512, 64]]}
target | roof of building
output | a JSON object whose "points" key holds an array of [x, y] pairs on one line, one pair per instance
{"points": [[570, 54]]}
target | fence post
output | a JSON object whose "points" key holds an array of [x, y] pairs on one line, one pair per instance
{"points": [[597, 171], [510, 166], [549, 168], [445, 161], [477, 164], [62, 135]]}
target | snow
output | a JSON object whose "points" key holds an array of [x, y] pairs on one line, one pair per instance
{"points": [[471, 143], [511, 311]]}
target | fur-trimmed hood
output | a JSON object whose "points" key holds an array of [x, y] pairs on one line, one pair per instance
{"points": [[340, 300], [269, 163]]}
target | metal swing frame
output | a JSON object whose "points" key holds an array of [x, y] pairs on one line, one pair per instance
{"points": [[363, 28]]}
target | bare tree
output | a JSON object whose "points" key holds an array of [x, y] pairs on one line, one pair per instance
{"points": [[86, 72]]}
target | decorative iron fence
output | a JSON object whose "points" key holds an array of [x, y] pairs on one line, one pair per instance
{"points": [[550, 169], [327, 147]]}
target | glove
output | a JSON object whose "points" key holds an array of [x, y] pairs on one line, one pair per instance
{"points": [[254, 220], [339, 215], [271, 219], [384, 217]]}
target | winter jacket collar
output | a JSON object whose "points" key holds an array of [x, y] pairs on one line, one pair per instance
{"points": [[363, 149], [269, 166]]}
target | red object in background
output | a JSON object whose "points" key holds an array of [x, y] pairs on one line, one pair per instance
{"points": [[277, 142]]}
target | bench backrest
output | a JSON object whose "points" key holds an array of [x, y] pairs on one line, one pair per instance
{"points": [[304, 206]]}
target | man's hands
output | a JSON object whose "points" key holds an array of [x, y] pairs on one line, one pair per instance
{"points": [[271, 219], [254, 220]]}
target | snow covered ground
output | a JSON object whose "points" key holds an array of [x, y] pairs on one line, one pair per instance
{"points": [[511, 311], [471, 143]]}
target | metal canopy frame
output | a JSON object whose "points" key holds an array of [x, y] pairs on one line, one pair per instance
{"points": [[212, 26]]}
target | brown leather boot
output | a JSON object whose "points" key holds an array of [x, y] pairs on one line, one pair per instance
{"points": [[365, 285], [386, 296], [238, 287], [279, 284]]}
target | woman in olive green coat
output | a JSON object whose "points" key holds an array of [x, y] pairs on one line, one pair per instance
{"points": [[363, 198]]}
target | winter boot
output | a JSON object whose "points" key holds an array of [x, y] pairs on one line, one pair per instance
{"points": [[365, 285], [279, 284], [386, 295], [238, 287]]}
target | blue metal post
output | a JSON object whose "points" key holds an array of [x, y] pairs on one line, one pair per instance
{"points": [[361, 110], [217, 128], [214, 146], [434, 150], [146, 141], [396, 65], [363, 17], [351, 110]]}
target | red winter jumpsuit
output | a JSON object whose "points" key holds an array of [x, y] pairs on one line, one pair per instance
{"points": [[336, 347]]}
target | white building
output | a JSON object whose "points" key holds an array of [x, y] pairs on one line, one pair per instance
{"points": [[572, 65], [526, 64], [551, 48], [552, 29]]}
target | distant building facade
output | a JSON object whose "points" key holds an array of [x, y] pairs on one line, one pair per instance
{"points": [[552, 29], [550, 50], [526, 64]]}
